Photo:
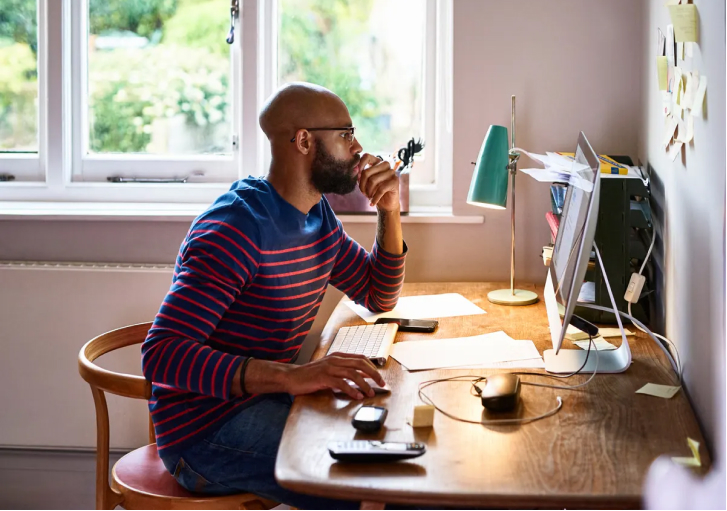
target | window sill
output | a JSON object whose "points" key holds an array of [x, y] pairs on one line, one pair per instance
{"points": [[123, 211]]}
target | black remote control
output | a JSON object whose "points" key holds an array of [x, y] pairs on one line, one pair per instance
{"points": [[374, 450]]}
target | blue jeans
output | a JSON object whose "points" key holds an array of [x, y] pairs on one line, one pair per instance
{"points": [[240, 457]]}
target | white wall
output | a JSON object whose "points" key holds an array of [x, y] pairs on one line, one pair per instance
{"points": [[690, 214]]}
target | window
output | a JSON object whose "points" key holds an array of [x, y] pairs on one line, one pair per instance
{"points": [[154, 90], [148, 90], [20, 83], [387, 61]]}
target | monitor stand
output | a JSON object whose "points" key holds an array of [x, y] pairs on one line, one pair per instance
{"points": [[611, 361]]}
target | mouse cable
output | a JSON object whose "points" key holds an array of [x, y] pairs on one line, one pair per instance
{"points": [[524, 420]]}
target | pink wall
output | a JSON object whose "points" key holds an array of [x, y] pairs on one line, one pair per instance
{"points": [[573, 64]]}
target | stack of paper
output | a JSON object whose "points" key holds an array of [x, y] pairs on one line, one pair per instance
{"points": [[488, 350], [422, 307]]}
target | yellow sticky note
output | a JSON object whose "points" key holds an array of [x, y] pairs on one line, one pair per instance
{"points": [[663, 391], [695, 460], [600, 344], [613, 332], [684, 19], [661, 67], [699, 96], [574, 334]]}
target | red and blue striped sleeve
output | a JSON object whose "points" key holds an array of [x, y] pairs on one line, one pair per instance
{"points": [[371, 279], [216, 262]]}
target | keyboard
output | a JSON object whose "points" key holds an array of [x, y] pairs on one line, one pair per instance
{"points": [[372, 341]]}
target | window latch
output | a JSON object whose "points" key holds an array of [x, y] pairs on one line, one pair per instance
{"points": [[119, 179], [234, 11], [7, 177]]}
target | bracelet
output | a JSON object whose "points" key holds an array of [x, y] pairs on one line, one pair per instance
{"points": [[242, 375]]}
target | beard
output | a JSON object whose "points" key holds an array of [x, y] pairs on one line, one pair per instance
{"points": [[329, 175]]}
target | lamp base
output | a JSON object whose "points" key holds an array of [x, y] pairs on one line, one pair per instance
{"points": [[505, 297]]}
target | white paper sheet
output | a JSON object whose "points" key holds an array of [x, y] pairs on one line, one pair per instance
{"points": [[530, 363], [477, 350], [423, 307]]}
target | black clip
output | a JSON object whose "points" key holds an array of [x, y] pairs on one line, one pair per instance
{"points": [[234, 11]]}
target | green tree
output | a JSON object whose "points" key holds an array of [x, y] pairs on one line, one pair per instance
{"points": [[143, 17], [318, 42], [18, 22]]}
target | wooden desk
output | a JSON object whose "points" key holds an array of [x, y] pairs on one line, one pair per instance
{"points": [[594, 453]]}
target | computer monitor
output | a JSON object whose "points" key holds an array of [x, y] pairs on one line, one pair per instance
{"points": [[571, 254]]}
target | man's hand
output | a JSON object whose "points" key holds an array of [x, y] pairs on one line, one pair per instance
{"points": [[379, 182], [329, 373]]}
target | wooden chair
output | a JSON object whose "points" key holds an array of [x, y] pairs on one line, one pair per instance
{"points": [[139, 479]]}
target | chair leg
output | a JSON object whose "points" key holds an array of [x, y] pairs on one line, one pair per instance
{"points": [[366, 504], [255, 502]]}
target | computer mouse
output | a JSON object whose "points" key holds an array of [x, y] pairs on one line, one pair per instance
{"points": [[501, 392]]}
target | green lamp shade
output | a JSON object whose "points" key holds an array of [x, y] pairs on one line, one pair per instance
{"points": [[489, 180]]}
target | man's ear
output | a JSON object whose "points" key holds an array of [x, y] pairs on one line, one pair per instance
{"points": [[304, 142]]}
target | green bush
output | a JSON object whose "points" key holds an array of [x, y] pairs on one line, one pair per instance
{"points": [[200, 24], [18, 93], [153, 83]]}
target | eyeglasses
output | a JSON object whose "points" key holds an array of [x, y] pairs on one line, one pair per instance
{"points": [[348, 132]]}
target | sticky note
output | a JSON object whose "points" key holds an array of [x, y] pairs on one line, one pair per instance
{"points": [[574, 334], [684, 19], [670, 124], [652, 389], [613, 332], [692, 80], [675, 150], [661, 67], [681, 131], [695, 460], [680, 51], [689, 49], [699, 96], [666, 102], [600, 344], [690, 127]]}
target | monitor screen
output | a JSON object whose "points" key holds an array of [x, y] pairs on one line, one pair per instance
{"points": [[571, 230]]}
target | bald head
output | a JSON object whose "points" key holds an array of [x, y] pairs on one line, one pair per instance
{"points": [[301, 105]]}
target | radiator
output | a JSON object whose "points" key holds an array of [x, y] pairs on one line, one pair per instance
{"points": [[47, 312]]}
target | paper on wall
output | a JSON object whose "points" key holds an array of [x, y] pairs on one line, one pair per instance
{"points": [[681, 131], [690, 127], [684, 20], [689, 49], [675, 150], [670, 124], [661, 69], [699, 96], [422, 307]]}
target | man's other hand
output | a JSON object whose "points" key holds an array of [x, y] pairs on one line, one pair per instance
{"points": [[379, 182]]}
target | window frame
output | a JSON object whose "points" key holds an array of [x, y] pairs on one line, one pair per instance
{"points": [[252, 82]]}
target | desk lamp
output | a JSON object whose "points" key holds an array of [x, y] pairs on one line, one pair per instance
{"points": [[488, 189]]}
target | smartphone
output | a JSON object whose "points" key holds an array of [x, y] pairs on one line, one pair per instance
{"points": [[411, 325]]}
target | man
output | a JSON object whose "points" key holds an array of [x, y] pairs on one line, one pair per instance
{"points": [[248, 281]]}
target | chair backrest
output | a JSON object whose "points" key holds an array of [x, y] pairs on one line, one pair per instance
{"points": [[101, 380]]}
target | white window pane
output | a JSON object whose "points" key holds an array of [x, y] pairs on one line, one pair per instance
{"points": [[159, 77], [370, 53], [18, 76]]}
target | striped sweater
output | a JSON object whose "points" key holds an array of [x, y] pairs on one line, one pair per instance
{"points": [[248, 281]]}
